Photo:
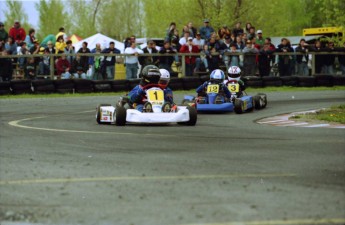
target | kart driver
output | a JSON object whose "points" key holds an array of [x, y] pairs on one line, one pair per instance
{"points": [[164, 82], [150, 75], [234, 76], [216, 77]]}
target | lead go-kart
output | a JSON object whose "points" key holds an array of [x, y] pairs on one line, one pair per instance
{"points": [[215, 101], [155, 111]]}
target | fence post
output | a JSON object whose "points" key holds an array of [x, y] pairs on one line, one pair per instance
{"points": [[51, 66], [313, 64], [183, 61]]}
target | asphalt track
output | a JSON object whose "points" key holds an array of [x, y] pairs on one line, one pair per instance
{"points": [[58, 166]]}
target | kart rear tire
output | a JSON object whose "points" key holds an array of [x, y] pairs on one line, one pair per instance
{"points": [[257, 101], [120, 116], [239, 106], [98, 117], [193, 116], [264, 96]]}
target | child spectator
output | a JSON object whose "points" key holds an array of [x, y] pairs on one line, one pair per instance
{"points": [[30, 69], [202, 61]]}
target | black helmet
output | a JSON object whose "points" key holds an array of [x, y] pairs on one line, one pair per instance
{"points": [[151, 75]]}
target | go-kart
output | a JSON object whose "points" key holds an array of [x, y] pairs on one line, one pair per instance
{"points": [[155, 111], [243, 102], [210, 101]]}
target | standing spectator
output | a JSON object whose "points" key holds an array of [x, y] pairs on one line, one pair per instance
{"points": [[23, 51], [251, 33], [239, 44], [189, 60], [265, 59], [109, 61], [128, 43], [50, 48], [224, 31], [244, 38], [63, 33], [3, 34], [269, 42], [341, 59], [95, 63], [192, 30], [170, 32], [302, 60], [175, 40], [149, 60], [35, 50], [214, 46], [77, 65], [6, 70], [234, 59], [198, 41], [237, 31], [225, 47], [84, 59], [206, 30], [167, 58], [69, 49], [284, 63], [44, 64], [319, 59], [60, 45], [247, 28], [183, 40], [17, 32], [259, 39], [30, 69], [249, 59], [11, 46], [330, 59], [30, 38], [202, 60], [63, 68], [132, 61]]}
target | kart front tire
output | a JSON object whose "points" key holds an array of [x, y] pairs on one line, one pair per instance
{"points": [[239, 106], [98, 116], [193, 116], [120, 115]]}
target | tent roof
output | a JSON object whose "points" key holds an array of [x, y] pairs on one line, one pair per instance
{"points": [[101, 39], [74, 38], [294, 39]]}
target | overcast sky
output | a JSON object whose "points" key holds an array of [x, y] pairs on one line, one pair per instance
{"points": [[29, 9]]}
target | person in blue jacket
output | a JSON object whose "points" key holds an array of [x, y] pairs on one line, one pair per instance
{"points": [[216, 77], [150, 75]]}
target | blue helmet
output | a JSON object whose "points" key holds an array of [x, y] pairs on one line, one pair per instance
{"points": [[217, 75]]}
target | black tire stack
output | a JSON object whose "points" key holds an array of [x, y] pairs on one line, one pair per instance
{"points": [[5, 88], [64, 86], [83, 86], [43, 86], [21, 86]]}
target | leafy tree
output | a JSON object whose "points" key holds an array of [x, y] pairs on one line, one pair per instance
{"points": [[16, 12], [52, 15]]}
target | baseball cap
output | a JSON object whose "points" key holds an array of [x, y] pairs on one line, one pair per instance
{"points": [[206, 20], [259, 32], [190, 38]]}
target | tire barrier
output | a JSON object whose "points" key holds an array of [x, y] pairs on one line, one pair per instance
{"points": [[253, 81], [176, 84], [272, 81], [21, 86], [306, 81], [64, 86], [290, 81], [101, 86], [119, 85], [186, 83], [5, 88], [191, 82], [324, 80], [43, 86], [338, 80], [83, 86]]}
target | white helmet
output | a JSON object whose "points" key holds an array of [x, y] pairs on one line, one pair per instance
{"points": [[165, 77], [234, 72]]}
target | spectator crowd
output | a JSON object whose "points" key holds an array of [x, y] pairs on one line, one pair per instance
{"points": [[245, 47]]}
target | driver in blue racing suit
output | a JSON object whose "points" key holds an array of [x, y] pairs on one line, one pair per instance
{"points": [[216, 77], [150, 75]]}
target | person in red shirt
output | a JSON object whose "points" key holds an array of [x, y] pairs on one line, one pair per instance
{"points": [[17, 32], [63, 67], [189, 60]]}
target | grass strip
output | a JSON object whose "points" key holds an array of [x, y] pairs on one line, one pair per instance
{"points": [[335, 114]]}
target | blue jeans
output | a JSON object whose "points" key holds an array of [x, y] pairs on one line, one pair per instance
{"points": [[110, 70], [65, 75], [303, 69], [82, 75], [131, 70], [199, 61]]}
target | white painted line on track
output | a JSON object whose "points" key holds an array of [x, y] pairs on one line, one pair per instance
{"points": [[319, 125]]}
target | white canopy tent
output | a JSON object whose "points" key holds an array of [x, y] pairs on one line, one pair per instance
{"points": [[101, 39]]}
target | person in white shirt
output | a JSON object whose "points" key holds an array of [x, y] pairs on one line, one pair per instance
{"points": [[198, 41], [132, 61], [184, 39]]}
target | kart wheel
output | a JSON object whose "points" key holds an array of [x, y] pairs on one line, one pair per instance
{"points": [[193, 116], [166, 107], [98, 115], [258, 102], [239, 106], [263, 100], [147, 107], [120, 115]]}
